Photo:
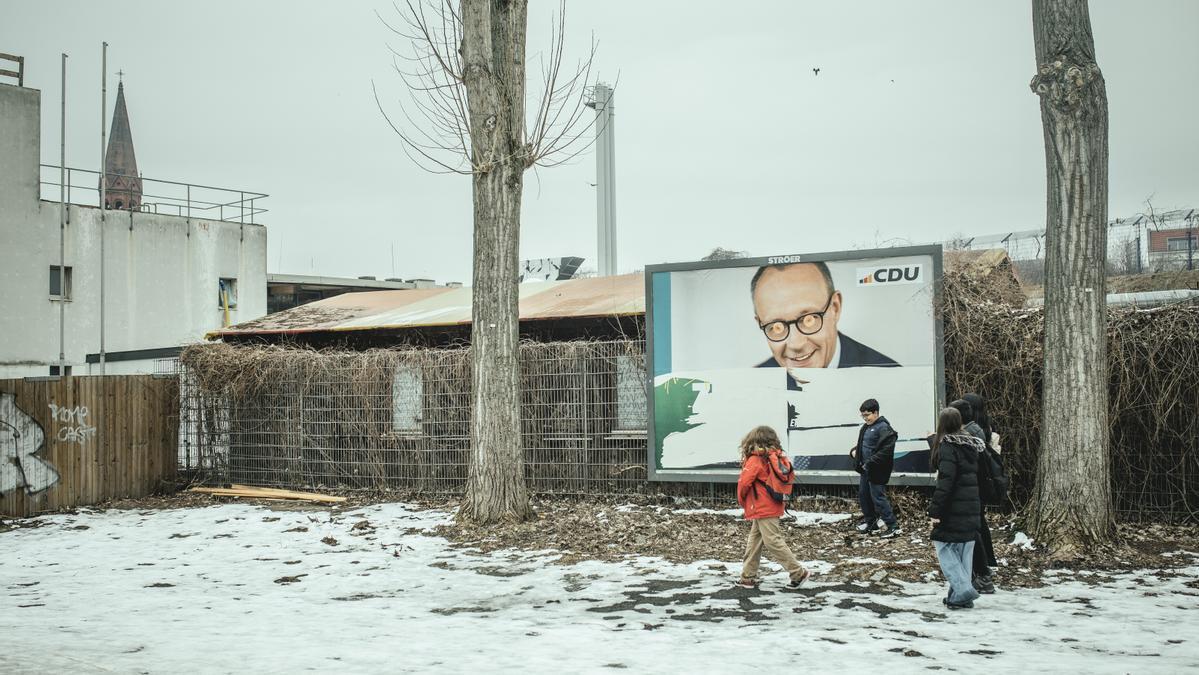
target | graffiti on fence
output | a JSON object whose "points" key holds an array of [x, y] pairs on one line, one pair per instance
{"points": [[21, 438], [76, 429]]}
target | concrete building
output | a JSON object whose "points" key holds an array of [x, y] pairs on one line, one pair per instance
{"points": [[168, 279]]}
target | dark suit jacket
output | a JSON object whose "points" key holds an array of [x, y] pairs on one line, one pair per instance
{"points": [[853, 354]]}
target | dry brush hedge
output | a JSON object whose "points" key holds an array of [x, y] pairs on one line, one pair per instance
{"points": [[400, 417], [996, 349], [992, 347]]}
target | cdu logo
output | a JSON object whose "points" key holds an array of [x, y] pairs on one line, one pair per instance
{"points": [[891, 276]]}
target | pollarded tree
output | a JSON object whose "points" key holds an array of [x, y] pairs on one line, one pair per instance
{"points": [[1072, 506], [466, 114]]}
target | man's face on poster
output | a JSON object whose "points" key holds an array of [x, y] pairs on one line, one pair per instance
{"points": [[798, 314]]}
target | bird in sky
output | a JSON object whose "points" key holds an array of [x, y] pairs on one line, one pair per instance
{"points": [[815, 71]]}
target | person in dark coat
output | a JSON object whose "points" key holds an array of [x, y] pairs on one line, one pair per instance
{"points": [[954, 507], [873, 456], [969, 425], [984, 549]]}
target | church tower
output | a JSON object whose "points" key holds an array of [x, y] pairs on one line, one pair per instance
{"points": [[122, 184]]}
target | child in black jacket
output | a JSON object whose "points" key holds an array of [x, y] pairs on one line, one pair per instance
{"points": [[955, 508]]}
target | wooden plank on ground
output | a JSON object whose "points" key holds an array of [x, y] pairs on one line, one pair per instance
{"points": [[269, 493]]}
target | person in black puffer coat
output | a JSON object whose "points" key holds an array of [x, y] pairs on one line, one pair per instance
{"points": [[955, 508], [984, 548]]}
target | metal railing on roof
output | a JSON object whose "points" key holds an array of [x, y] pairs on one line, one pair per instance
{"points": [[191, 200], [19, 73]]}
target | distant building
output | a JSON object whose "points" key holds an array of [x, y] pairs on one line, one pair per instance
{"points": [[1135, 244], [1175, 248], [550, 269], [169, 278], [284, 291]]}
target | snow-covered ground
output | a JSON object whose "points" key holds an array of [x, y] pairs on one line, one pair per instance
{"points": [[252, 589]]}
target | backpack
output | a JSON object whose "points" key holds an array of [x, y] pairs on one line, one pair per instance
{"points": [[992, 481], [780, 477]]}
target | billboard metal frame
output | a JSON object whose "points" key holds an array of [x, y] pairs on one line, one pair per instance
{"points": [[803, 477]]}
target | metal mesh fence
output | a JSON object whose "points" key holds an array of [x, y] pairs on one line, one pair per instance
{"points": [[399, 419], [1133, 246]]}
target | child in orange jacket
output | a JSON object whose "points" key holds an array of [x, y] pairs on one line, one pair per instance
{"points": [[758, 448]]}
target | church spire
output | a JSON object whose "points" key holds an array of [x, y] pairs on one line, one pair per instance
{"points": [[122, 183]]}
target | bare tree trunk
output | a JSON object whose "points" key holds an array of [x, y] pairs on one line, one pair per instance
{"points": [[1072, 506], [493, 47]]}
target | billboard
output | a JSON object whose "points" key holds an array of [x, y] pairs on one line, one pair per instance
{"points": [[796, 342]]}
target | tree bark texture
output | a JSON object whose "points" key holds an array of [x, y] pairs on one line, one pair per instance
{"points": [[493, 50], [1072, 505]]}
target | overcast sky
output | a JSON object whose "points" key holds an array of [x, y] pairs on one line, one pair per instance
{"points": [[919, 126]]}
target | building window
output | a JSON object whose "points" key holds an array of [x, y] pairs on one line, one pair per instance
{"points": [[57, 283], [227, 293], [1180, 243], [631, 408], [54, 371], [407, 390]]}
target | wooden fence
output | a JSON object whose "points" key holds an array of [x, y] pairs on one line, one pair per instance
{"points": [[81, 440]]}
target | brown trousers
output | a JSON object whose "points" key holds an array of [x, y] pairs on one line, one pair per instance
{"points": [[768, 533]]}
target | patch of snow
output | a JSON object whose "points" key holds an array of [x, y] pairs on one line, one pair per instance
{"points": [[133, 591], [735, 513], [809, 518], [1023, 541]]}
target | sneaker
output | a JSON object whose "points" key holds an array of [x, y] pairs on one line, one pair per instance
{"points": [[890, 532], [866, 528], [984, 584], [747, 583], [799, 581], [969, 604]]}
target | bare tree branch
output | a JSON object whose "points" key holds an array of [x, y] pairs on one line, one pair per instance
{"points": [[433, 121]]}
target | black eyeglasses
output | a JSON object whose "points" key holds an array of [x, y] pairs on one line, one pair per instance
{"points": [[807, 324]]}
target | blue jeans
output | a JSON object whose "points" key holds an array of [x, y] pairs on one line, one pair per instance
{"points": [[875, 504], [956, 558]]}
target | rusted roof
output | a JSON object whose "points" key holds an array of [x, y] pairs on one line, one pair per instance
{"points": [[622, 295], [576, 298]]}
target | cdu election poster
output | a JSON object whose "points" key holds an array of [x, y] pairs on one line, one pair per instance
{"points": [[796, 342]]}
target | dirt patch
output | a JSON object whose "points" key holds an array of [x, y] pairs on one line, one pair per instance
{"points": [[1158, 281], [617, 530]]}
